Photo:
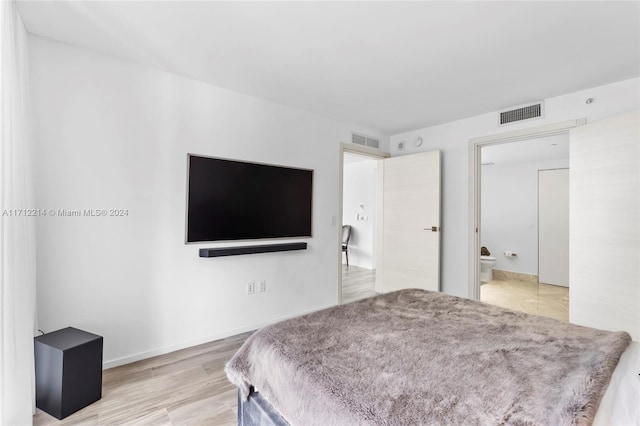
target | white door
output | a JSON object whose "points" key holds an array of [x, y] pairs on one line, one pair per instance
{"points": [[553, 227], [410, 245]]}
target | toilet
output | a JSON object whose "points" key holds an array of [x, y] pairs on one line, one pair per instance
{"points": [[486, 268]]}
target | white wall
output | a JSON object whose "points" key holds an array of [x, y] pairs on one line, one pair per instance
{"points": [[111, 134], [510, 213], [453, 139], [359, 187]]}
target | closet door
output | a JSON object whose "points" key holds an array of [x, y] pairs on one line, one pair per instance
{"points": [[553, 227]]}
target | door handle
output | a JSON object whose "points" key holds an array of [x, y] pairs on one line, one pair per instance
{"points": [[432, 229]]}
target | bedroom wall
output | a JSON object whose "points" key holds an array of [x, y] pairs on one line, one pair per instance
{"points": [[453, 140], [359, 187], [114, 135], [510, 213]]}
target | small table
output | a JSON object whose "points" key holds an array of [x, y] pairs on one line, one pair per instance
{"points": [[68, 371]]}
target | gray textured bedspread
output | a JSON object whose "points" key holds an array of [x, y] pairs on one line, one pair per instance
{"points": [[413, 357]]}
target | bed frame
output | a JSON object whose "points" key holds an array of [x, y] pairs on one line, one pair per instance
{"points": [[257, 411]]}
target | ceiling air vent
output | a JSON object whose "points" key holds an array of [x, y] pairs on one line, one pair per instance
{"points": [[365, 140], [527, 112]]}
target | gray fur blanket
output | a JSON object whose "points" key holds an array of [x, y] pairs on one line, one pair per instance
{"points": [[414, 357]]}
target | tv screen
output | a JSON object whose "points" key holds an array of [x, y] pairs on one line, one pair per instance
{"points": [[237, 200]]}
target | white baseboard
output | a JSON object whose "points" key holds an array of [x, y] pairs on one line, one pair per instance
{"points": [[172, 348]]}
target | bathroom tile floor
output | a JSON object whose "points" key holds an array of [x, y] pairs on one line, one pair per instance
{"points": [[533, 298]]}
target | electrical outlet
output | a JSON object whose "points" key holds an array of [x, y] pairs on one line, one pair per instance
{"points": [[251, 287], [262, 286]]}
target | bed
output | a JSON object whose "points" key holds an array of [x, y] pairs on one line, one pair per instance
{"points": [[419, 357]]}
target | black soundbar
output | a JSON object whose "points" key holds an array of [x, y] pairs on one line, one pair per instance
{"points": [[236, 251]]}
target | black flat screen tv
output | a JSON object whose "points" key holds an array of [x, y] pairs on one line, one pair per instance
{"points": [[238, 200]]}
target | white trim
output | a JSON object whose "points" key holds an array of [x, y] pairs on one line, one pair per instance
{"points": [[475, 145], [359, 150], [184, 345], [379, 246]]}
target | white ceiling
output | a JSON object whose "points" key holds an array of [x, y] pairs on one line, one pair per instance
{"points": [[531, 150], [388, 66]]}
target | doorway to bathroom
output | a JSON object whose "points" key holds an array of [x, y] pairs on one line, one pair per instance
{"points": [[524, 225]]}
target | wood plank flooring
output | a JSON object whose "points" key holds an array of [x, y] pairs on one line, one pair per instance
{"points": [[533, 298], [357, 283], [187, 387]]}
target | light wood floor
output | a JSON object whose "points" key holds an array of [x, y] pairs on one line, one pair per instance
{"points": [[187, 387], [533, 298], [357, 283]]}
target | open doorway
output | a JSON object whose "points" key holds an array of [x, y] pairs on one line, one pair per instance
{"points": [[524, 225], [352, 154], [359, 222]]}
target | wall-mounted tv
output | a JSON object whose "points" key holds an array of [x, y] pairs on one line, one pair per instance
{"points": [[238, 200]]}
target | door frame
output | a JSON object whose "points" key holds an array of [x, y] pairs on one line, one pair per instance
{"points": [[475, 146], [365, 151]]}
